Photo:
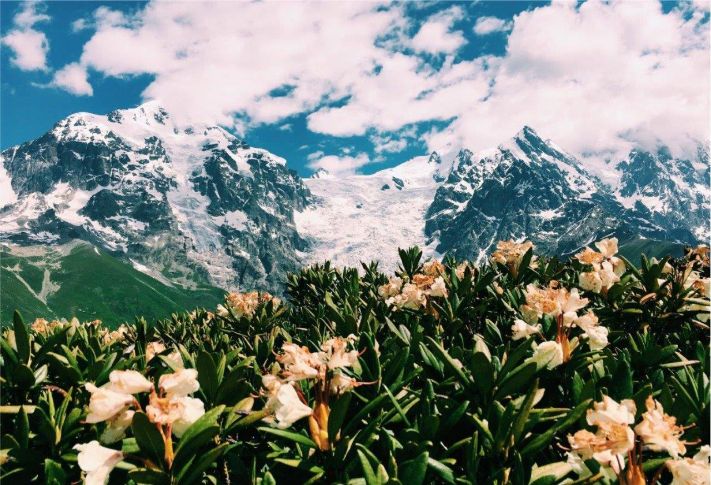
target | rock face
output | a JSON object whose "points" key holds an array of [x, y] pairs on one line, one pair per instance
{"points": [[193, 204], [529, 188], [197, 205]]}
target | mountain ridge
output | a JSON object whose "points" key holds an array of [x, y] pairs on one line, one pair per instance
{"points": [[196, 205]]}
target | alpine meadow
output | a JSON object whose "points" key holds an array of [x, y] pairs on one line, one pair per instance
{"points": [[355, 242]]}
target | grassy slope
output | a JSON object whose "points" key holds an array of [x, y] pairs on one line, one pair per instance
{"points": [[633, 249], [92, 285]]}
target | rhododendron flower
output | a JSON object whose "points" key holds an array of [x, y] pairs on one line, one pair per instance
{"points": [[607, 268], [340, 384], [553, 302], [153, 349], [510, 253], [691, 471], [659, 431], [97, 461], [105, 403], [299, 363], [411, 297], [438, 288], [608, 446], [285, 404], [129, 382], [433, 268], [178, 411], [336, 355], [548, 354], [116, 426], [523, 330], [609, 411], [180, 383], [391, 288]]}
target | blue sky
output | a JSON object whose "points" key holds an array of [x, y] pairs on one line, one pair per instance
{"points": [[359, 87]]}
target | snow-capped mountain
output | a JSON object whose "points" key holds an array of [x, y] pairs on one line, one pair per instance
{"points": [[199, 205], [187, 204]]}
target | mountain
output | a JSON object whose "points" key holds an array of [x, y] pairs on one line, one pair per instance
{"points": [[193, 204], [529, 188], [78, 279], [197, 207]]}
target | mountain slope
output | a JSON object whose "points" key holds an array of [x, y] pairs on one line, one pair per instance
{"points": [[527, 188], [364, 217], [77, 279], [195, 204]]}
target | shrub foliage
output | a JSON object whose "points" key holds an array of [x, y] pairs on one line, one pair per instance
{"points": [[521, 370]]}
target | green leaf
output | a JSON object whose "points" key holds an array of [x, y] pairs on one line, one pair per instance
{"points": [[290, 435], [53, 473], [519, 378], [22, 337], [413, 472], [339, 409], [148, 437], [368, 472], [203, 463], [207, 375], [149, 476], [442, 470], [198, 434]]}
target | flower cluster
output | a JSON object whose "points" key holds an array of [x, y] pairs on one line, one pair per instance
{"points": [[245, 304], [510, 254], [606, 267], [402, 293], [702, 288], [326, 368], [615, 439], [562, 305], [170, 408]]}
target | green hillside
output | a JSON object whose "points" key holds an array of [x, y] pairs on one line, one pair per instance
{"points": [[634, 248], [79, 280]]}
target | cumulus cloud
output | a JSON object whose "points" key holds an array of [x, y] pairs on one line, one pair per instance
{"points": [[592, 76], [338, 165], [489, 25], [436, 34], [29, 45], [73, 78]]}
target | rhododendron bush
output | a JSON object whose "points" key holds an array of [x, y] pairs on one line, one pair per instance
{"points": [[522, 369]]}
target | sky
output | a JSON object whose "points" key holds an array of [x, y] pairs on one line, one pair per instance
{"points": [[360, 86]]}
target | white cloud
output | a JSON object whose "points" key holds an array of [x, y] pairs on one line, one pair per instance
{"points": [[73, 78], [592, 77], [436, 35], [489, 25], [29, 46], [338, 165]]}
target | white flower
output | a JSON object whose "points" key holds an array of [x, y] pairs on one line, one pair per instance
{"points": [[659, 431], [129, 382], [597, 337], [341, 383], [691, 471], [336, 354], [299, 363], [607, 274], [191, 409], [175, 361], [608, 446], [286, 406], [609, 411], [116, 427], [222, 311], [608, 247], [590, 281], [438, 288], [178, 411], [410, 297], [97, 462], [180, 383], [548, 354], [105, 403], [523, 330], [153, 349], [391, 288]]}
